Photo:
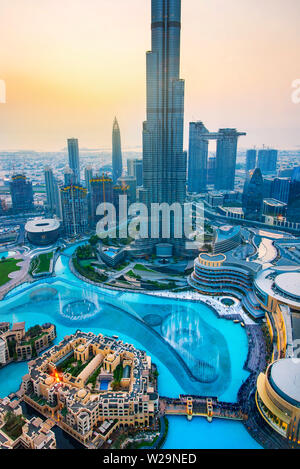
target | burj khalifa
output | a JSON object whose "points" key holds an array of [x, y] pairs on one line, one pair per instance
{"points": [[164, 161]]}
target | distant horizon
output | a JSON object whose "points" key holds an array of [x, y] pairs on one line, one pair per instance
{"points": [[139, 149], [69, 72]]}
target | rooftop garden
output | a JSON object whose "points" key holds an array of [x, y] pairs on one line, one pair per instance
{"points": [[93, 378], [73, 366], [7, 266], [13, 425], [118, 375]]}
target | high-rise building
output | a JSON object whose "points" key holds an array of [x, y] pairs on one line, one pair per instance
{"points": [[253, 195], [226, 158], [198, 157], [117, 165], [285, 172], [293, 213], [164, 161], [21, 193], [129, 181], [88, 175], [68, 176], [135, 169], [267, 160], [251, 156], [52, 191], [211, 170], [74, 204], [101, 192], [267, 190], [280, 189], [130, 166], [73, 151], [118, 191]]}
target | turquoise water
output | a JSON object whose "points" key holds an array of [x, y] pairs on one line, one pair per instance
{"points": [[195, 352], [200, 434], [104, 385], [6, 254]]}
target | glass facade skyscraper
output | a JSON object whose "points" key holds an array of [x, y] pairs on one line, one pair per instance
{"points": [[73, 151], [52, 191], [251, 159], [198, 157], [74, 209], [280, 189], [164, 161], [294, 197], [21, 193], [253, 195], [101, 192], [88, 175], [117, 165], [267, 160], [226, 158], [135, 169]]}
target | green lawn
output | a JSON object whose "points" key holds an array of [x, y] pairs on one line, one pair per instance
{"points": [[6, 267], [44, 262]]}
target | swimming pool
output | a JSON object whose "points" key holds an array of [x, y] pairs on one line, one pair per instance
{"points": [[195, 352], [5, 254], [104, 385]]}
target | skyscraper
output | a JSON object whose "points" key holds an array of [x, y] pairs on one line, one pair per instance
{"points": [[211, 170], [118, 191], [293, 213], [226, 158], [253, 195], [280, 189], [88, 175], [21, 193], [74, 164], [74, 209], [52, 191], [129, 181], [68, 176], [267, 160], [251, 159], [135, 169], [164, 162], [117, 164], [198, 157], [101, 191]]}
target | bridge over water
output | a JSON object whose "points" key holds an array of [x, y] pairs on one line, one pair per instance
{"points": [[200, 406]]}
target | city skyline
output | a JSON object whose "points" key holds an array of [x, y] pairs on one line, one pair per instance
{"points": [[173, 296], [81, 83]]}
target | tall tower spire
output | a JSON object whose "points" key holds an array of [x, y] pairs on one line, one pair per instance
{"points": [[164, 161], [116, 151]]}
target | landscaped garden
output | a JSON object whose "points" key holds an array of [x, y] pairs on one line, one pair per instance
{"points": [[73, 366], [7, 266], [118, 375], [41, 264]]}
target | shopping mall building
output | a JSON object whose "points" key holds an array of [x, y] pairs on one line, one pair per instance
{"points": [[278, 397]]}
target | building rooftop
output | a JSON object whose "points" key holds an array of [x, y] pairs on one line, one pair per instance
{"points": [[289, 283], [42, 225], [285, 379], [18, 326], [279, 283], [274, 203], [213, 257], [226, 232]]}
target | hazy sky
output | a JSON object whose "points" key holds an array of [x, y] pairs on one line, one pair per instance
{"points": [[71, 65]]}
